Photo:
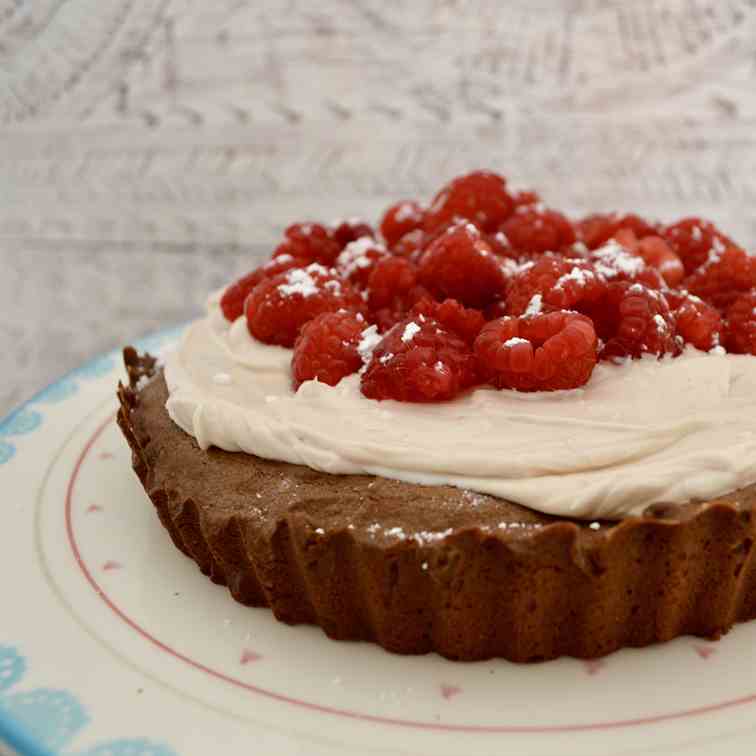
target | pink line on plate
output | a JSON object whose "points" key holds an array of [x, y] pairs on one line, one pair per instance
{"points": [[354, 715]]}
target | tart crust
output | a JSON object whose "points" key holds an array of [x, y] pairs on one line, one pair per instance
{"points": [[435, 568]]}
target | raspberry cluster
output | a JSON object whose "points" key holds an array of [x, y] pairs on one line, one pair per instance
{"points": [[487, 286]]}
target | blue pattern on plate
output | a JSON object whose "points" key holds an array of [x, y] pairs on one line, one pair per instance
{"points": [[138, 747], [6, 452], [42, 722], [25, 420], [20, 422], [54, 716], [57, 392], [95, 369], [48, 720]]}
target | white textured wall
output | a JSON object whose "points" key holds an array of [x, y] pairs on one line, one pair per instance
{"points": [[150, 148]]}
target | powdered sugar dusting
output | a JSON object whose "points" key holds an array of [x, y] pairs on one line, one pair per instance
{"points": [[406, 211], [354, 255], [576, 274], [661, 324], [369, 340], [286, 258], [410, 331], [535, 306], [514, 341], [613, 259], [301, 281], [501, 238]]}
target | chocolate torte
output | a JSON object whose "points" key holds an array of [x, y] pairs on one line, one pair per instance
{"points": [[435, 568], [483, 429]]}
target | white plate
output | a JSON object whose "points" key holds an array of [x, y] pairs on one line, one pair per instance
{"points": [[113, 644]]}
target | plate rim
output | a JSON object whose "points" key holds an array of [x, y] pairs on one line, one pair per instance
{"points": [[14, 733]]}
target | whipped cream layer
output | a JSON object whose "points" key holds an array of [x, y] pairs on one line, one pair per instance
{"points": [[644, 432]]}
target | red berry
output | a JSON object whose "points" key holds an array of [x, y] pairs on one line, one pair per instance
{"points": [[410, 245], [658, 254], [350, 230], [310, 241], [596, 230], [390, 280], [692, 239], [419, 361], [278, 307], [727, 273], [232, 301], [655, 252], [326, 348], [462, 321], [497, 309], [633, 320], [358, 258], [501, 247], [480, 197], [740, 336], [547, 352], [460, 265], [400, 219], [524, 197], [534, 230], [392, 291], [615, 263], [563, 283], [698, 323]]}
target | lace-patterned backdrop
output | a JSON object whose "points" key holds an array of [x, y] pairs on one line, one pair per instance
{"points": [[150, 149]]}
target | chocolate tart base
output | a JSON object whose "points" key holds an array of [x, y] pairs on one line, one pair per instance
{"points": [[434, 568]]}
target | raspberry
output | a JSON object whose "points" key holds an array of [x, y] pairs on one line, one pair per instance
{"points": [[392, 291], [460, 265], [534, 230], [232, 301], [698, 323], [496, 310], [596, 230], [524, 197], [410, 245], [615, 263], [634, 320], [390, 280], [419, 361], [310, 241], [350, 230], [547, 352], [500, 245], [462, 321], [723, 276], [278, 307], [358, 258], [400, 219], [479, 197], [564, 283], [658, 254], [326, 348], [740, 336], [692, 239], [655, 252]]}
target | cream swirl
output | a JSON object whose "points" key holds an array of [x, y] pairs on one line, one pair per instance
{"points": [[644, 432]]}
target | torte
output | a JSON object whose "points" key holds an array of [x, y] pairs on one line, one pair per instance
{"points": [[409, 438]]}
